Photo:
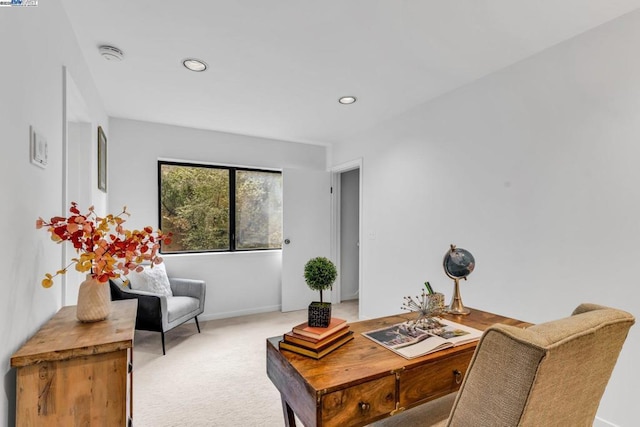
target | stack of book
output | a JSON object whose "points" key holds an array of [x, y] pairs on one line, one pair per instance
{"points": [[317, 342]]}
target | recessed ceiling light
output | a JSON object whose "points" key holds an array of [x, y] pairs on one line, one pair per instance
{"points": [[194, 64], [111, 53], [347, 100]]}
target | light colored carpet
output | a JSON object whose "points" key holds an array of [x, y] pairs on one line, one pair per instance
{"points": [[218, 377], [215, 378]]}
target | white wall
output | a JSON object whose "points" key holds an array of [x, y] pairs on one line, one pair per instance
{"points": [[36, 43], [237, 283], [533, 169]]}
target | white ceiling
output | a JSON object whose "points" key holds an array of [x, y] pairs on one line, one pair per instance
{"points": [[278, 67]]}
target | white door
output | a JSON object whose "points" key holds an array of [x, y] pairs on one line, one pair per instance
{"points": [[306, 230], [78, 158]]}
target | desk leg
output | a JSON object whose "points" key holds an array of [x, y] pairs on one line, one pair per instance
{"points": [[289, 417]]}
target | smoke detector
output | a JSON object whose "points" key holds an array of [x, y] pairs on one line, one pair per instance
{"points": [[111, 53]]}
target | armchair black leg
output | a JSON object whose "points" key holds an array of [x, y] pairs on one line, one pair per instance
{"points": [[163, 352], [197, 324]]}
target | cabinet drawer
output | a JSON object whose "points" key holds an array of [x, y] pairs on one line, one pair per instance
{"points": [[433, 380], [357, 404]]}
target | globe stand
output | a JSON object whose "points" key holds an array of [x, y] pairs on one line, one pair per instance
{"points": [[458, 264], [456, 306]]}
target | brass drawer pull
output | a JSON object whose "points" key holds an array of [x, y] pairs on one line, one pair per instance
{"points": [[458, 376], [364, 407]]}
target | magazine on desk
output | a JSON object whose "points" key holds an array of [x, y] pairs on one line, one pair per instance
{"points": [[411, 341]]}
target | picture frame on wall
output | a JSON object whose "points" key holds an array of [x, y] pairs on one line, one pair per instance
{"points": [[102, 160]]}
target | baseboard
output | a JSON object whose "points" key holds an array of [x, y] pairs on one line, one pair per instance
{"points": [[599, 422], [227, 314]]}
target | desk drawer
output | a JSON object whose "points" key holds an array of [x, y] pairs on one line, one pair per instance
{"points": [[357, 404], [433, 380]]}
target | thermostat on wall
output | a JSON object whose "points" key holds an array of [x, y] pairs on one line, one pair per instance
{"points": [[39, 148]]}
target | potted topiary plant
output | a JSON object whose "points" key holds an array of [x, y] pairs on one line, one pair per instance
{"points": [[320, 273]]}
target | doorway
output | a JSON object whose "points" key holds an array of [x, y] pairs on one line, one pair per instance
{"points": [[346, 230], [349, 234]]}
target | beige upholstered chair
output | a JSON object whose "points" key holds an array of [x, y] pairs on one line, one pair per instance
{"points": [[551, 374]]}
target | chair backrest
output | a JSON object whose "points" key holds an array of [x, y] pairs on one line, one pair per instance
{"points": [[551, 374]]}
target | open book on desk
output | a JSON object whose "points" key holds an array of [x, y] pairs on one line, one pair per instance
{"points": [[413, 341]]}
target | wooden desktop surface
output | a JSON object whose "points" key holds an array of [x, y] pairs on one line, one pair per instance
{"points": [[64, 337], [362, 381]]}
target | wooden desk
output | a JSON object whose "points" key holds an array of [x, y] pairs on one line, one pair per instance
{"points": [[362, 381], [71, 373]]}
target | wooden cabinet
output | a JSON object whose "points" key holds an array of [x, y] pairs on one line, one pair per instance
{"points": [[77, 374]]}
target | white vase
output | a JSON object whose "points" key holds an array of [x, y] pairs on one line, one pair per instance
{"points": [[94, 301]]}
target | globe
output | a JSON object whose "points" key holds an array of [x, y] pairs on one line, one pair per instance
{"points": [[458, 263]]}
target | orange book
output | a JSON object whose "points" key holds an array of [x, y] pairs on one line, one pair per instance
{"points": [[319, 333], [311, 343]]}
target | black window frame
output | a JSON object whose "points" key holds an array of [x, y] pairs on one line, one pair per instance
{"points": [[231, 170]]}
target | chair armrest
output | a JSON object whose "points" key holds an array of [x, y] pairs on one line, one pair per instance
{"points": [[150, 306], [189, 288], [138, 293]]}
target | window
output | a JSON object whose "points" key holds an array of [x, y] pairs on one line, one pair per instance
{"points": [[216, 208]]}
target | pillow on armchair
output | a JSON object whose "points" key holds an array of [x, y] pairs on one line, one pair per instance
{"points": [[152, 279]]}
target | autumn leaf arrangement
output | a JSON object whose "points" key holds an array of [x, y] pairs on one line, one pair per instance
{"points": [[105, 248]]}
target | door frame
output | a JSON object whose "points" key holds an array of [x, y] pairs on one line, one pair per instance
{"points": [[336, 172], [74, 110]]}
